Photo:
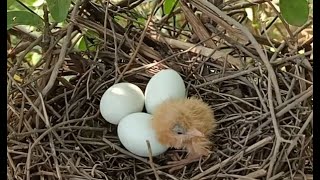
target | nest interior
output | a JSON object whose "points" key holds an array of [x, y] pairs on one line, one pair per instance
{"points": [[262, 100]]}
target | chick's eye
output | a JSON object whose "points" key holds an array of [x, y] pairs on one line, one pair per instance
{"points": [[178, 129]]}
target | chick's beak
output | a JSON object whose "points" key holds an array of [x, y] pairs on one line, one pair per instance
{"points": [[195, 133]]}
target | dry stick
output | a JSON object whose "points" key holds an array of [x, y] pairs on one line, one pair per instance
{"points": [[241, 73], [50, 130], [272, 112], [116, 59], [146, 50], [89, 75], [197, 26], [54, 155], [200, 3], [277, 176], [196, 48], [24, 53], [76, 88], [304, 126], [274, 157], [73, 167], [62, 54], [224, 175], [301, 98], [279, 138], [80, 145], [299, 177], [234, 97], [161, 167], [26, 96], [294, 57], [276, 130], [255, 146], [255, 174], [24, 134], [9, 85], [136, 157], [105, 25], [151, 160], [293, 104], [275, 54], [168, 175], [264, 106], [125, 152], [139, 44], [294, 98], [28, 161], [243, 5], [192, 46], [300, 78], [10, 161], [293, 84]]}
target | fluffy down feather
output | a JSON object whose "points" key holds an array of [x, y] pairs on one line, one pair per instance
{"points": [[185, 123]]}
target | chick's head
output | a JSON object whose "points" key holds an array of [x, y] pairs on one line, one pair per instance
{"points": [[184, 123]]}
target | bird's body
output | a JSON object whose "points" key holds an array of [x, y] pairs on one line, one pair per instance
{"points": [[185, 123]]}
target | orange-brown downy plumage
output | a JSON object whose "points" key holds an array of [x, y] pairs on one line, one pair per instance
{"points": [[185, 123]]}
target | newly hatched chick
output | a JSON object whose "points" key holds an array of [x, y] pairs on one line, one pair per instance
{"points": [[185, 123]]}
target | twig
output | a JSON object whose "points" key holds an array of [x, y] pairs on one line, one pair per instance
{"points": [[295, 140], [255, 146], [139, 44], [197, 26], [241, 73], [277, 176], [296, 102], [244, 5], [125, 151], [274, 157], [208, 52], [208, 6], [63, 51], [168, 175], [53, 150], [50, 130], [151, 160], [256, 174], [26, 96]]}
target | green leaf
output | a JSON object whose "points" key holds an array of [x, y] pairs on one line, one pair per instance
{"points": [[59, 9], [121, 20], [141, 20], [9, 3], [295, 12], [91, 34], [168, 5], [82, 45], [15, 18]]}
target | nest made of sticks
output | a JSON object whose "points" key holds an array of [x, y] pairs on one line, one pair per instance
{"points": [[262, 100]]}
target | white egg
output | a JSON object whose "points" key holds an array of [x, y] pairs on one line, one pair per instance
{"points": [[134, 130], [166, 84], [121, 100]]}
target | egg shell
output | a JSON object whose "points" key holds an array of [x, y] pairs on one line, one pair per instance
{"points": [[121, 100], [134, 130], [164, 85]]}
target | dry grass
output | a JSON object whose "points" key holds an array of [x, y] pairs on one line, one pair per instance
{"points": [[263, 103]]}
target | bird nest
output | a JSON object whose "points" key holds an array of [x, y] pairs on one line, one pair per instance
{"points": [[262, 100]]}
